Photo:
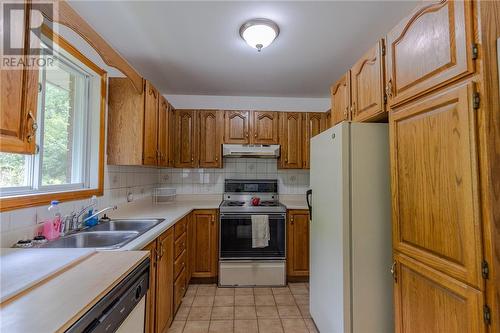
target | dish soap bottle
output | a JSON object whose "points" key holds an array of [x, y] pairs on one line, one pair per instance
{"points": [[52, 226], [93, 221]]}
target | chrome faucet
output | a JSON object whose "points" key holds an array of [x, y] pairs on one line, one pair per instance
{"points": [[71, 223], [99, 212]]}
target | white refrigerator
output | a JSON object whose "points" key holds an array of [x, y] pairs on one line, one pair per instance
{"points": [[351, 241]]}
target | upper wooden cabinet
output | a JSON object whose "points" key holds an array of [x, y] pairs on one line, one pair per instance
{"points": [[171, 138], [205, 243], [341, 99], [291, 136], [151, 107], [19, 91], [430, 48], [314, 123], [186, 153], [297, 246], [435, 183], [237, 127], [367, 85], [163, 133], [264, 127], [211, 125]]}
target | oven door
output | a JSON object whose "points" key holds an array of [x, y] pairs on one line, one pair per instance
{"points": [[236, 237]]}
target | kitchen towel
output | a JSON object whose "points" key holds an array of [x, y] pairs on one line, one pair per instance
{"points": [[260, 231]]}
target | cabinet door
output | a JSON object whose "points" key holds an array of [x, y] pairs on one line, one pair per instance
{"points": [[150, 152], [367, 86], [329, 118], [314, 123], [185, 143], [429, 48], [163, 135], [165, 281], [151, 294], [18, 91], [236, 127], [341, 99], [298, 243], [429, 301], [171, 137], [190, 247], [291, 140], [211, 123], [434, 182], [265, 127], [205, 243]]}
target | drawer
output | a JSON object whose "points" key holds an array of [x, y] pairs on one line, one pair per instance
{"points": [[180, 228], [179, 289], [179, 264], [180, 245]]}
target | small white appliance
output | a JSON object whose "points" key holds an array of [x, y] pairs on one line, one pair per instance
{"points": [[351, 248]]}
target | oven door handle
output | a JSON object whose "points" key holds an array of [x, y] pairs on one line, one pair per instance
{"points": [[279, 215]]}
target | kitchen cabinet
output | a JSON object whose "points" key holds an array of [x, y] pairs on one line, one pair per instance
{"points": [[429, 49], [428, 301], [264, 127], [341, 99], [314, 123], [205, 236], [211, 128], [329, 118], [186, 152], [298, 243], [171, 138], [151, 106], [163, 135], [237, 127], [367, 85], [190, 247], [19, 91], [291, 136], [151, 294], [181, 261]]}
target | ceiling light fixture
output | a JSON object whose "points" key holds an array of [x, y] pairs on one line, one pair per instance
{"points": [[259, 33]]}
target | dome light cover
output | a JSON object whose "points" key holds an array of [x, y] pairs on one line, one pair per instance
{"points": [[259, 33]]}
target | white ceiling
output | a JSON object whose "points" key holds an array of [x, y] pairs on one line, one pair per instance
{"points": [[194, 48]]}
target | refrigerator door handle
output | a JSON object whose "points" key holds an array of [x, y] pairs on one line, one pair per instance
{"points": [[308, 199]]}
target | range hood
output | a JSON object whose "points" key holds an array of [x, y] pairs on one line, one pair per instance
{"points": [[255, 151]]}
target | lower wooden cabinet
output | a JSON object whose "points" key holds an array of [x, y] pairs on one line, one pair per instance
{"points": [[298, 243], [427, 300], [205, 240]]}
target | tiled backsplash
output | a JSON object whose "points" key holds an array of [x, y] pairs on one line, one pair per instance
{"points": [[211, 181]]}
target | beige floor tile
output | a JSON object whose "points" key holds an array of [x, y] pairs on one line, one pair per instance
{"points": [[200, 313], [224, 292], [222, 312], [206, 290], [265, 311], [296, 284], [289, 311], [244, 300], [196, 327], [191, 291], [221, 326], [262, 291], [270, 326], [243, 291], [282, 300], [193, 287], [294, 326], [203, 300], [301, 299], [224, 301], [245, 312], [304, 310], [299, 290], [187, 300], [264, 300], [246, 326], [310, 325], [281, 291], [182, 313], [177, 326]]}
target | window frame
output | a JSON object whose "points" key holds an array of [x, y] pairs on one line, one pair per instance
{"points": [[66, 193]]}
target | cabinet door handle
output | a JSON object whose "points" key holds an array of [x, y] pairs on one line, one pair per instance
{"points": [[388, 88], [291, 220], [246, 134], [34, 127], [394, 271], [255, 135]]}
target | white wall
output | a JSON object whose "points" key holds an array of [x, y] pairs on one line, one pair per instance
{"points": [[249, 103]]}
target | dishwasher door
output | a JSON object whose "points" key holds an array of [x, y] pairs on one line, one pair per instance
{"points": [[134, 323]]}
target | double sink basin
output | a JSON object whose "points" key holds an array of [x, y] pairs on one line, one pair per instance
{"points": [[107, 235]]}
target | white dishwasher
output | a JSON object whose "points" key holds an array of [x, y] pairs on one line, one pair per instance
{"points": [[122, 309]]}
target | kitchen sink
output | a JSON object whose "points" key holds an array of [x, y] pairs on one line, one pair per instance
{"points": [[94, 239], [140, 225]]}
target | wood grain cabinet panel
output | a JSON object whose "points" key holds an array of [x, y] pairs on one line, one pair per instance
{"points": [[429, 48], [171, 137], [205, 243], [429, 301], [237, 127], [314, 123], [163, 134], [298, 243], [186, 155], [435, 186], [151, 294], [341, 100], [150, 152], [165, 281], [264, 127], [291, 135], [211, 124], [367, 86], [18, 91]]}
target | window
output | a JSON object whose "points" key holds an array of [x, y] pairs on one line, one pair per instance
{"points": [[69, 135]]}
